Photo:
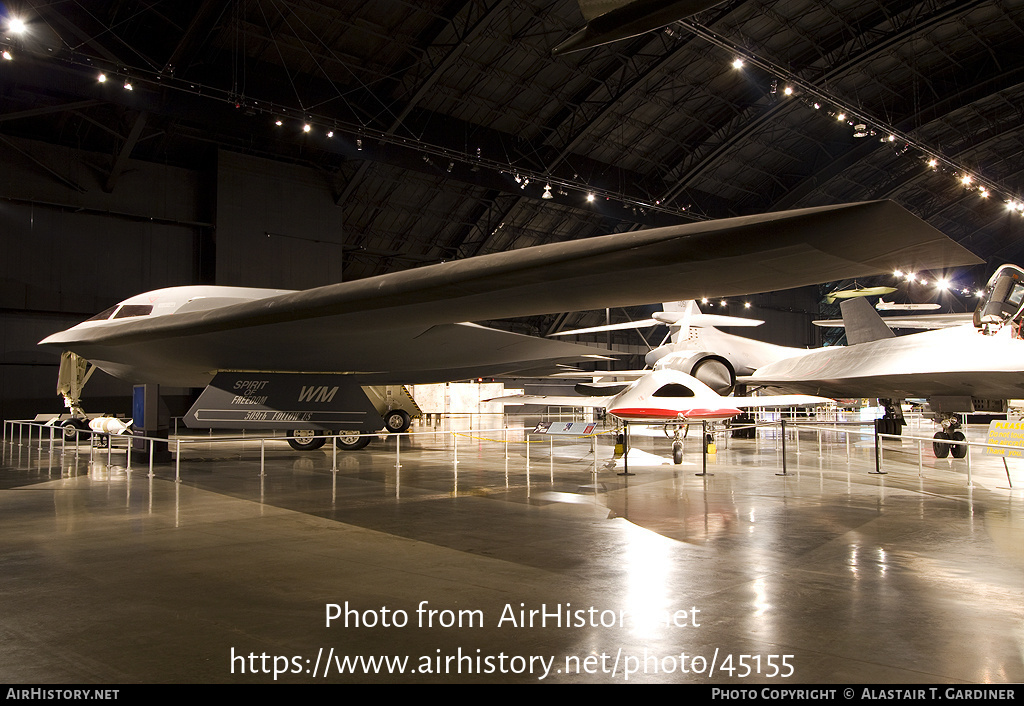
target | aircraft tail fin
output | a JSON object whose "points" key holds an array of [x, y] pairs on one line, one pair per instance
{"points": [[862, 322]]}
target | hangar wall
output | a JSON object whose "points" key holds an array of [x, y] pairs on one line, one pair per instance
{"points": [[277, 225], [71, 248]]}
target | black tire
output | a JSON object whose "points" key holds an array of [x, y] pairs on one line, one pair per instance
{"points": [[351, 441], [75, 428], [306, 439], [939, 446], [957, 450], [397, 420], [677, 452]]}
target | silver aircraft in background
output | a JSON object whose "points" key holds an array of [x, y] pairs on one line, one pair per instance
{"points": [[969, 368]]}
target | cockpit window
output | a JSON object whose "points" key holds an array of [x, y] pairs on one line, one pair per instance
{"points": [[103, 315], [129, 310], [674, 389]]}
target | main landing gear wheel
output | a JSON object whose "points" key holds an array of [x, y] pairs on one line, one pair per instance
{"points": [[397, 420], [351, 441], [957, 450], [939, 446], [306, 439]]}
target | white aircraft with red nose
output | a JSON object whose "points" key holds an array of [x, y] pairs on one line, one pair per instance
{"points": [[663, 396]]}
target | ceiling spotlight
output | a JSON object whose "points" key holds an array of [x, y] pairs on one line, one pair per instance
{"points": [[746, 305], [983, 192], [7, 55], [788, 90], [737, 63], [306, 127], [547, 192], [127, 86], [722, 303], [898, 273], [278, 122], [704, 300], [330, 133], [966, 179], [892, 138], [841, 117], [942, 283], [590, 197], [861, 130], [102, 78], [817, 106], [16, 25], [933, 162]]}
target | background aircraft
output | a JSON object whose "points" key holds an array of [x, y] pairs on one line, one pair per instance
{"points": [[694, 346], [663, 396], [955, 369]]}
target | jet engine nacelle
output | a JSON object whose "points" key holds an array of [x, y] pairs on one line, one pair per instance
{"points": [[713, 370]]}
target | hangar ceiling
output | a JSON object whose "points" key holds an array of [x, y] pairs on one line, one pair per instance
{"points": [[448, 119]]}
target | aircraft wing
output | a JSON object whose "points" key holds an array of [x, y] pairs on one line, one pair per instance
{"points": [[554, 400], [777, 401], [912, 321], [408, 326]]}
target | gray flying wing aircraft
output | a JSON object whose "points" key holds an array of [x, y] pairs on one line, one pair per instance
{"points": [[411, 326]]}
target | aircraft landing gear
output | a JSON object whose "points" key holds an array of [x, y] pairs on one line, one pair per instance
{"points": [[678, 434], [351, 440], [892, 422], [306, 439], [950, 432], [75, 429], [397, 420]]}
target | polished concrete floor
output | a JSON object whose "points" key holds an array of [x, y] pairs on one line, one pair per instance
{"points": [[830, 574]]}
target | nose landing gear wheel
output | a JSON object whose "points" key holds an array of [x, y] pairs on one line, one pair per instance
{"points": [[75, 429], [677, 452], [939, 446]]}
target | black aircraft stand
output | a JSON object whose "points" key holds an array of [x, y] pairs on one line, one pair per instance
{"points": [[625, 451], [704, 449]]}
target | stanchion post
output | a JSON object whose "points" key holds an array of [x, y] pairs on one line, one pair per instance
{"points": [[782, 424]]}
